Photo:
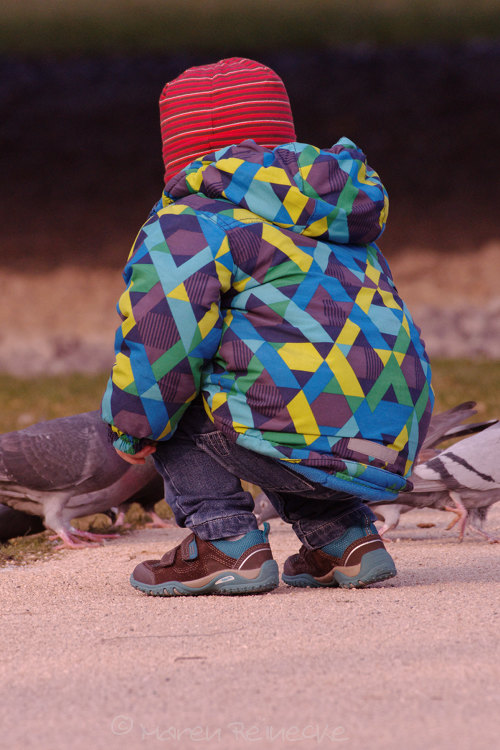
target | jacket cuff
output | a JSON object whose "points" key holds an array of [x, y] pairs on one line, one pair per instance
{"points": [[127, 443]]}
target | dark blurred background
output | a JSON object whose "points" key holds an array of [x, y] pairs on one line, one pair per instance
{"points": [[80, 137]]}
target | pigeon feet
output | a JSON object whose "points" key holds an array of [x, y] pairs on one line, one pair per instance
{"points": [[491, 539], [157, 522], [382, 530], [120, 522], [74, 539], [461, 515], [94, 537]]}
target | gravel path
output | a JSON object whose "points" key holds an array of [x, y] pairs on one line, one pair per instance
{"points": [[88, 662]]}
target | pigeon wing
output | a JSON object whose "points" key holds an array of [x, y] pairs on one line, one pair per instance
{"points": [[471, 463], [444, 421], [57, 454]]}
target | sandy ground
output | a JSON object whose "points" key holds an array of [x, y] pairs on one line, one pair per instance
{"points": [[88, 662]]}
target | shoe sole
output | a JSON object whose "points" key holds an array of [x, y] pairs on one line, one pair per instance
{"points": [[223, 582], [375, 566]]}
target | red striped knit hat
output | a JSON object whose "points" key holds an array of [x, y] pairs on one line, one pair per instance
{"points": [[211, 106]]}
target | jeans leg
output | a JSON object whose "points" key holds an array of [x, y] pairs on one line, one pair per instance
{"points": [[203, 496], [202, 470], [317, 521], [317, 514]]}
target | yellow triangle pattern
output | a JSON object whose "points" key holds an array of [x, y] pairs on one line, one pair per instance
{"points": [[348, 333], [295, 202], [372, 273], [384, 213], [209, 320], [344, 373], [224, 275], [303, 418], [179, 293], [122, 371], [207, 408], [276, 175], [364, 298], [166, 431], [194, 180], [304, 171], [243, 214], [389, 300], [401, 440], [218, 400], [384, 355], [223, 249], [276, 237], [316, 228], [230, 164], [172, 208], [301, 356], [125, 307], [241, 285]]}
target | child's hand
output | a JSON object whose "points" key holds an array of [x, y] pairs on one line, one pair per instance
{"points": [[139, 457]]}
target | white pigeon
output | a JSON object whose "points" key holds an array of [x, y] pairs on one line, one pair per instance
{"points": [[67, 468], [453, 485], [463, 479]]}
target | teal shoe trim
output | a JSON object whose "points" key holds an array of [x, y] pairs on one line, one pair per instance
{"points": [[236, 548], [376, 566], [223, 582]]}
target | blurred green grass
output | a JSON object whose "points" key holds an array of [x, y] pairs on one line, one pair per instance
{"points": [[26, 401], [458, 380], [234, 26]]}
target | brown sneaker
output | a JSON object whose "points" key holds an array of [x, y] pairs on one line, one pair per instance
{"points": [[358, 559], [198, 567]]}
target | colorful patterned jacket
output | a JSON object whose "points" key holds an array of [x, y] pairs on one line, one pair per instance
{"points": [[255, 281]]}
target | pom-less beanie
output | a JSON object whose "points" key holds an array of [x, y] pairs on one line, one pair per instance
{"points": [[211, 106]]}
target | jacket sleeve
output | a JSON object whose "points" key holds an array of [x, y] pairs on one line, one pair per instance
{"points": [[171, 323]]}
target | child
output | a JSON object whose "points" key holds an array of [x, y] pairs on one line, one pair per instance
{"points": [[263, 340]]}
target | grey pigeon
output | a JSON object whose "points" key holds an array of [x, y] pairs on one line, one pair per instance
{"points": [[147, 497], [67, 468], [470, 504], [450, 424], [463, 479], [14, 523], [264, 509]]}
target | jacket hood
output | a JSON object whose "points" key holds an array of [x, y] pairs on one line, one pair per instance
{"points": [[328, 194]]}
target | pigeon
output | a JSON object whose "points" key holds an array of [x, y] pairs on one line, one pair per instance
{"points": [[146, 497], [264, 509], [463, 478], [470, 505], [14, 523], [449, 424], [67, 468]]}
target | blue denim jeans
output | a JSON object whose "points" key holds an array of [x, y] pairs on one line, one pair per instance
{"points": [[202, 470]]}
